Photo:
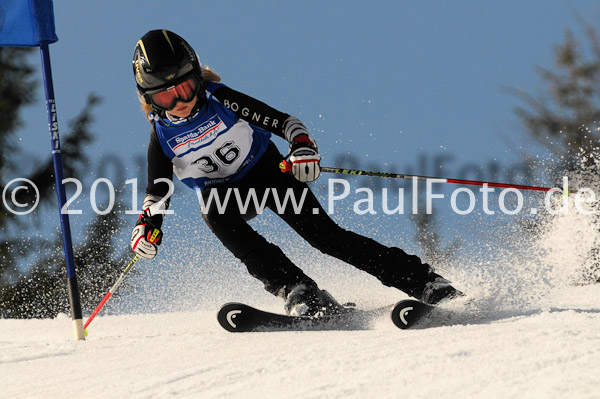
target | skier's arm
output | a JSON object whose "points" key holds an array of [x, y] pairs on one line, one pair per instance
{"points": [[147, 235], [159, 167], [304, 154], [250, 109]]}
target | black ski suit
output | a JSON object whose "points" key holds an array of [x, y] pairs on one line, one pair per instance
{"points": [[264, 260]]}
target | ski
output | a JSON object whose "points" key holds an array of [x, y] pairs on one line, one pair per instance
{"points": [[409, 312], [239, 317]]}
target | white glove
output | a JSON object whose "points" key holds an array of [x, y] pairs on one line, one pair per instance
{"points": [[305, 158], [145, 239], [147, 235], [304, 153]]}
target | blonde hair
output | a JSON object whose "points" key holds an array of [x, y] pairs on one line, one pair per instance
{"points": [[207, 75]]}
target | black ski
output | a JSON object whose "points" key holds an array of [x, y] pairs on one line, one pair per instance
{"points": [[239, 317], [409, 312]]}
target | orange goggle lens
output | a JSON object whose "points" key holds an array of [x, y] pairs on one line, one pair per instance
{"points": [[184, 91]]}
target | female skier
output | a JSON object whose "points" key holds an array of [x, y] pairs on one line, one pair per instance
{"points": [[217, 140]]}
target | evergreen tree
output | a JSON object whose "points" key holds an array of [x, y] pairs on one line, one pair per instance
{"points": [[566, 119], [32, 267]]}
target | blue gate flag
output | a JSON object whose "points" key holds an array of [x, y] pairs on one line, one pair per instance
{"points": [[26, 23]]}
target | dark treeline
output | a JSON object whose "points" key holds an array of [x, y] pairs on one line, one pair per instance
{"points": [[32, 266]]}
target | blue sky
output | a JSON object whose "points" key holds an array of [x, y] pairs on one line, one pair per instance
{"points": [[384, 80], [392, 84]]}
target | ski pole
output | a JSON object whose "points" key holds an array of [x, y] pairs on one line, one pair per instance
{"points": [[111, 291], [286, 166]]}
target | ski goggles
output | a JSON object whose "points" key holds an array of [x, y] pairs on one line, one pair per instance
{"points": [[166, 99]]}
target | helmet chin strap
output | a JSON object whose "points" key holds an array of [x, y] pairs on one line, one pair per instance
{"points": [[201, 96]]}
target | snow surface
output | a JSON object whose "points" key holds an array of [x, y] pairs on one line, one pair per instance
{"points": [[524, 331], [551, 352]]}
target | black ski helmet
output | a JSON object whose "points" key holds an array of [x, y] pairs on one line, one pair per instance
{"points": [[161, 59]]}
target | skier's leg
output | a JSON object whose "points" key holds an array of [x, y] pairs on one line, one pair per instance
{"points": [[391, 265], [264, 260]]}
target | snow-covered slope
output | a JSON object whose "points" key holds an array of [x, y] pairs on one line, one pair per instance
{"points": [[549, 352], [525, 330]]}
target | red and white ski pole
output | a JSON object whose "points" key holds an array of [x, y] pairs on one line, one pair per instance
{"points": [[111, 291], [286, 166]]}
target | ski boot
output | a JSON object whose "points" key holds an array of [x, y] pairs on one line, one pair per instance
{"points": [[439, 291], [309, 300]]}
